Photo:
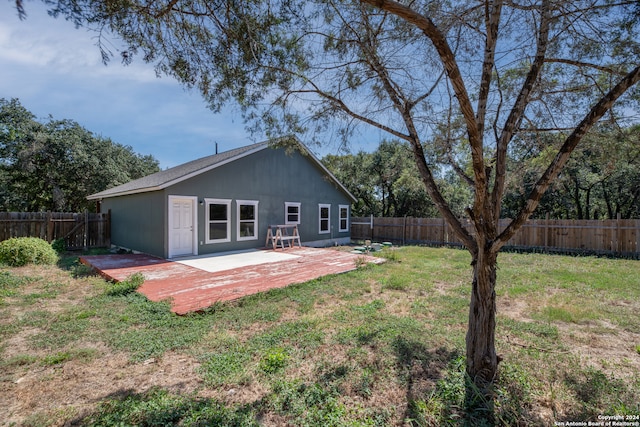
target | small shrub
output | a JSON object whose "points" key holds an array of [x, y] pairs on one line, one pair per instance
{"points": [[127, 286], [397, 283], [20, 251], [59, 245], [274, 360]]}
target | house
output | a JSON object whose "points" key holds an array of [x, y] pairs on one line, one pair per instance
{"points": [[227, 201]]}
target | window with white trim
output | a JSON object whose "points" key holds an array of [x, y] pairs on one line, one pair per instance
{"points": [[292, 213], [325, 218], [344, 217], [247, 219], [218, 217]]}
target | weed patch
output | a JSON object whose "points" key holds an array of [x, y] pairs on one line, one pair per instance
{"points": [[159, 408], [308, 404], [274, 360], [10, 284], [127, 286]]}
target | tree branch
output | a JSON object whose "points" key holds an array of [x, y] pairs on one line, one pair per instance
{"points": [[517, 112], [447, 57], [585, 64], [597, 111], [166, 9], [439, 41], [492, 19]]}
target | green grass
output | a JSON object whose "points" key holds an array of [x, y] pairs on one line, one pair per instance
{"points": [[382, 345]]}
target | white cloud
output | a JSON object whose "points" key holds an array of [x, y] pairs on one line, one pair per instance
{"points": [[54, 68]]}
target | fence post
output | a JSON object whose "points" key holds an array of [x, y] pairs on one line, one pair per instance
{"points": [[617, 241], [108, 230], [86, 230], [404, 231], [49, 227], [371, 228], [546, 233], [637, 249]]}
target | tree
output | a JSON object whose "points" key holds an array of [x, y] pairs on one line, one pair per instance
{"points": [[506, 68], [386, 182], [353, 170], [600, 180], [57, 164]]}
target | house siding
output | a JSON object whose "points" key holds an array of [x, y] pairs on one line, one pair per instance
{"points": [[270, 176], [140, 222]]}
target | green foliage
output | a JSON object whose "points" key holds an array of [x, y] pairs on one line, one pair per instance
{"points": [[55, 165], [21, 251], [601, 179], [127, 286], [159, 408], [10, 283], [308, 404], [59, 245], [387, 183], [145, 328], [225, 366], [274, 360]]}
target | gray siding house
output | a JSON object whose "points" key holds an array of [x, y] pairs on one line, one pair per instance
{"points": [[227, 201]]}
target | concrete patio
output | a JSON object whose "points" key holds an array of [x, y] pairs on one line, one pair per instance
{"points": [[195, 283]]}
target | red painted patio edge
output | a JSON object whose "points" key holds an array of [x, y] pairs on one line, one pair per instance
{"points": [[191, 289]]}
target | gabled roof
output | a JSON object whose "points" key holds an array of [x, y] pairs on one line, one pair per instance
{"points": [[174, 175]]}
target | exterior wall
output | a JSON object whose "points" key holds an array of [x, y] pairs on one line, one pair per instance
{"points": [[138, 222], [270, 176]]}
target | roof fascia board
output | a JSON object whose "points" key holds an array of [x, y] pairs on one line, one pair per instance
{"points": [[305, 151], [124, 193], [181, 178], [211, 167]]}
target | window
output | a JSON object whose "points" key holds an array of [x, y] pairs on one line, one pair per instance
{"points": [[247, 219], [325, 218], [344, 217], [291, 213], [218, 224]]}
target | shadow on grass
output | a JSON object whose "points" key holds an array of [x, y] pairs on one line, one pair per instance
{"points": [[70, 261], [158, 407], [438, 390], [423, 370], [597, 394]]}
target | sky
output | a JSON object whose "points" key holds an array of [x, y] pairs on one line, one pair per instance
{"points": [[55, 69]]}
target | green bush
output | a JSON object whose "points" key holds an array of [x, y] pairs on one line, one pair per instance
{"points": [[59, 245], [274, 360], [20, 251], [127, 286]]}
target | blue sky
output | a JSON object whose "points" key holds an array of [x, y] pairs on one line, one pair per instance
{"points": [[55, 69]]}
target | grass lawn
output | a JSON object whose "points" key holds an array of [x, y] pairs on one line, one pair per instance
{"points": [[383, 345]]}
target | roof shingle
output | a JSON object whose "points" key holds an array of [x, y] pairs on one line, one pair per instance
{"points": [[175, 174]]}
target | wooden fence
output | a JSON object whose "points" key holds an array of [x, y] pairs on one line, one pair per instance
{"points": [[79, 230], [619, 237]]}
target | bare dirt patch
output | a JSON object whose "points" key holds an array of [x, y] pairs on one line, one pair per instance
{"points": [[77, 386], [612, 352]]}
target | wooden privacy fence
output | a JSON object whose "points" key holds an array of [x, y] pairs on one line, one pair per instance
{"points": [[79, 230], [620, 237]]}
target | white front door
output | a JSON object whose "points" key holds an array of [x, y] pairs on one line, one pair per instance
{"points": [[182, 226]]}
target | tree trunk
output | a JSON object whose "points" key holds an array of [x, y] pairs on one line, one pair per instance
{"points": [[482, 361]]}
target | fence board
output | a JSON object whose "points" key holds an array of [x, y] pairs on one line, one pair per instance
{"points": [[79, 230], [619, 237]]}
